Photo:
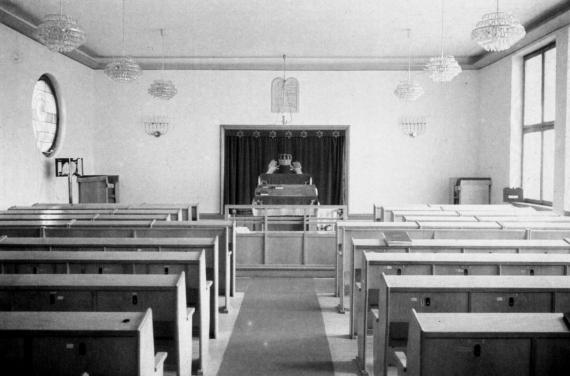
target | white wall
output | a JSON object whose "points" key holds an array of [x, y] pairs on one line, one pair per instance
{"points": [[494, 128], [27, 176], [385, 165], [104, 125]]}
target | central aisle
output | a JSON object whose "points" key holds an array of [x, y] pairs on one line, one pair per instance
{"points": [[279, 331]]}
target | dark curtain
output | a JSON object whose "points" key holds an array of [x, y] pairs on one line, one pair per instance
{"points": [[248, 152]]}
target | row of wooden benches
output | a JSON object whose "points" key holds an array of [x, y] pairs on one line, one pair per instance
{"points": [[393, 285], [447, 236], [419, 281], [114, 247]]}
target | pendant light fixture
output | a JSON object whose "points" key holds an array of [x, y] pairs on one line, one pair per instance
{"points": [[59, 32], [497, 31], [442, 68], [409, 90], [161, 88], [124, 68]]}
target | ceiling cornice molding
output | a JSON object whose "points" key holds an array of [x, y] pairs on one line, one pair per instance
{"points": [[337, 63], [25, 25], [536, 31]]}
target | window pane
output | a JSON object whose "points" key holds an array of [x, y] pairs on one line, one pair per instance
{"points": [[531, 165], [548, 166], [44, 116], [532, 90], [549, 84]]}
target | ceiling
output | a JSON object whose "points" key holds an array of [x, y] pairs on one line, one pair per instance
{"points": [[259, 32]]}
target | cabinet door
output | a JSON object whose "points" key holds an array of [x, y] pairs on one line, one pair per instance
{"points": [[162, 303], [163, 269], [44, 300], [511, 302], [36, 268], [115, 356], [533, 270], [93, 268], [5, 300], [467, 269], [401, 304], [475, 357], [552, 356], [13, 355]]}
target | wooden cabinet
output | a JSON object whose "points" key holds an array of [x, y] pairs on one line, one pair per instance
{"points": [[98, 188]]}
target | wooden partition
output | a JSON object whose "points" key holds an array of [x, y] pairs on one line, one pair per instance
{"points": [[164, 294], [286, 239], [70, 343]]}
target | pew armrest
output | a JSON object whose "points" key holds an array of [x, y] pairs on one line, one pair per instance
{"points": [[190, 313], [159, 360], [358, 285], [401, 362], [209, 284], [375, 313]]}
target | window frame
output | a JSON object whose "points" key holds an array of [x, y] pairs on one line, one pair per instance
{"points": [[55, 143], [541, 127]]}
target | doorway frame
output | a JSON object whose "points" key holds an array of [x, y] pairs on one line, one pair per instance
{"points": [[273, 127]]}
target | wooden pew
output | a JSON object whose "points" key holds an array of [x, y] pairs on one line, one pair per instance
{"points": [[399, 294], [193, 264], [376, 264], [175, 214], [164, 294], [152, 245], [398, 215], [436, 218], [86, 217], [551, 218], [225, 231], [481, 207], [71, 343], [474, 344], [190, 211], [535, 225]]}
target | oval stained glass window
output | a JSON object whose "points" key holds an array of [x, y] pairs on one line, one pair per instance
{"points": [[45, 116]]}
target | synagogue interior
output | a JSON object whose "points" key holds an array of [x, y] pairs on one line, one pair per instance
{"points": [[319, 188]]}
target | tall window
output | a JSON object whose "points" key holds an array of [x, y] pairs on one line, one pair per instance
{"points": [[45, 116], [538, 125]]}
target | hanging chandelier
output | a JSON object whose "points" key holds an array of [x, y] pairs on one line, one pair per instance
{"points": [[498, 31], [124, 68], [59, 32], [409, 90], [442, 68], [161, 88]]}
